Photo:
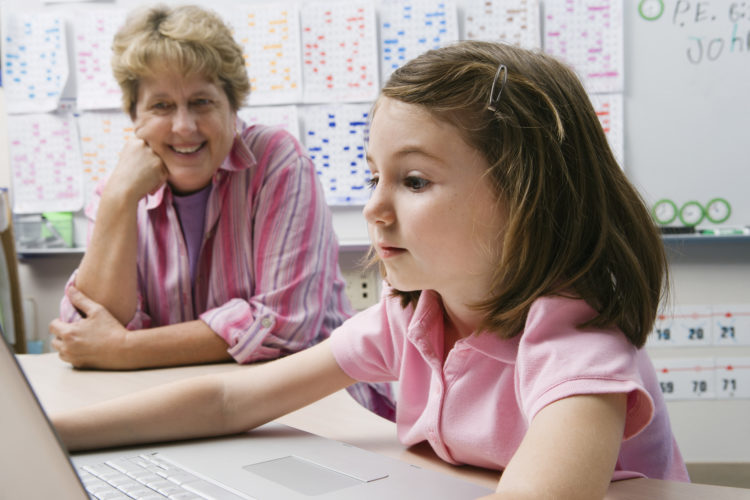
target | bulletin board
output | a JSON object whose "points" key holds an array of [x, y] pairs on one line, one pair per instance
{"points": [[315, 68], [668, 80]]}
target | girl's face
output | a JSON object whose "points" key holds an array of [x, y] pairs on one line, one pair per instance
{"points": [[188, 123], [432, 217]]}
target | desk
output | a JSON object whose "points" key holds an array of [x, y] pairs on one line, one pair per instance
{"points": [[339, 417]]}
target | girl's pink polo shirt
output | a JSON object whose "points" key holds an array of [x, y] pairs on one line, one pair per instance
{"points": [[475, 407]]}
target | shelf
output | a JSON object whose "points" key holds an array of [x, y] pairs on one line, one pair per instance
{"points": [[705, 238], [30, 253], [356, 245]]}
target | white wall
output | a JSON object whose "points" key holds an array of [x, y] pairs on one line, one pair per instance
{"points": [[711, 274]]}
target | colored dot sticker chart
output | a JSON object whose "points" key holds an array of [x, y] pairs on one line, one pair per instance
{"points": [[588, 35], [45, 163], [409, 28], [703, 378], [35, 61], [103, 135], [335, 138], [686, 378], [512, 21], [269, 35], [285, 117], [683, 326], [702, 325], [339, 52], [731, 324], [93, 34], [732, 378], [610, 110]]}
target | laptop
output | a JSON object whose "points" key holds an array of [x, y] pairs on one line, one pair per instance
{"points": [[273, 461]]}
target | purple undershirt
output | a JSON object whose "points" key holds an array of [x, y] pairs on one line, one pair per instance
{"points": [[191, 210]]}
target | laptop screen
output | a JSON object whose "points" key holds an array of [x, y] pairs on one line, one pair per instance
{"points": [[33, 463]]}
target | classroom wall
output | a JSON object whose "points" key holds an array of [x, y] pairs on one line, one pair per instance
{"points": [[712, 272], [709, 273]]}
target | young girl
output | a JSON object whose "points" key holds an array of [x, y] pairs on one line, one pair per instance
{"points": [[523, 276]]}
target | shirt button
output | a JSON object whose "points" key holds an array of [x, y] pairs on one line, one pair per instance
{"points": [[266, 322]]}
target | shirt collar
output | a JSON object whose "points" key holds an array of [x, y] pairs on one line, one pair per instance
{"points": [[427, 324]]}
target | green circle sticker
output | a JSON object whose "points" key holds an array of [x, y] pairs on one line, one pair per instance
{"points": [[651, 10], [692, 213], [718, 210], [664, 211]]}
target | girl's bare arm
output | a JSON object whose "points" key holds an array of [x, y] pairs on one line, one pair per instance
{"points": [[569, 451], [212, 405]]}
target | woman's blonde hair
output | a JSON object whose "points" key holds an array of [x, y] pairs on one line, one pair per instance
{"points": [[575, 223], [188, 39]]}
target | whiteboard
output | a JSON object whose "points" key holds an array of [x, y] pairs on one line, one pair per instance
{"points": [[687, 102]]}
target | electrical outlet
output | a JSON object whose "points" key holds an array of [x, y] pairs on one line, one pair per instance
{"points": [[362, 287]]}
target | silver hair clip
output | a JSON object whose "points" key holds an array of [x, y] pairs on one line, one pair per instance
{"points": [[495, 98]]}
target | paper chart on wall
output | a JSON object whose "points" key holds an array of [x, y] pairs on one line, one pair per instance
{"points": [[45, 163], [285, 117], [588, 35], [35, 61], [103, 135], [511, 21], [269, 36], [609, 109], [409, 28], [93, 34], [339, 52], [334, 135]]}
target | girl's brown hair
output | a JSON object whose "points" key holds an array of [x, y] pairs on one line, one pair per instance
{"points": [[188, 39], [576, 226]]}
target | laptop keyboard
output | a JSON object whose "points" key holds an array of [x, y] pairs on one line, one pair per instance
{"points": [[147, 477]]}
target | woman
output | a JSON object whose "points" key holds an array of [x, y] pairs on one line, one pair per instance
{"points": [[211, 240]]}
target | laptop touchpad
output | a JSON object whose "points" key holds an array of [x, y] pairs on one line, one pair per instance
{"points": [[302, 475]]}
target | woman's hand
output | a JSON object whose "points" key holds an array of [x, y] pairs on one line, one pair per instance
{"points": [[96, 341], [139, 171]]}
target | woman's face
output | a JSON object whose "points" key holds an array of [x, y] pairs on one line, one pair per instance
{"points": [[188, 122]]}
